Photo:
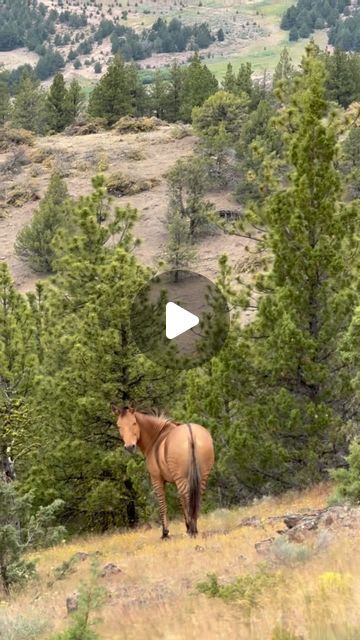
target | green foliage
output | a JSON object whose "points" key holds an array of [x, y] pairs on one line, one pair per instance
{"points": [[345, 33], [22, 529], [187, 183], [34, 242], [304, 17], [286, 552], [348, 480], [343, 77], [89, 361], [58, 116], [198, 84], [113, 96], [21, 627], [84, 620], [246, 590], [4, 101], [219, 120], [29, 109], [281, 387], [179, 253]]}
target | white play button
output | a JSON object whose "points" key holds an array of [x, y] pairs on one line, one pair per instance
{"points": [[178, 320]]}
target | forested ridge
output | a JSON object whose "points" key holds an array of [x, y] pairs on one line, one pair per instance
{"points": [[35, 26], [338, 16]]}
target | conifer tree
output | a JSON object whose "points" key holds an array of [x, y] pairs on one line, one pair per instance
{"points": [[29, 111], [159, 96], [113, 96], [174, 93], [74, 100], [58, 116], [34, 242], [284, 71], [282, 387], [229, 82], [89, 362], [198, 84]]}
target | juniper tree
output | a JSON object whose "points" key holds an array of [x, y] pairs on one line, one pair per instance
{"points": [[283, 389]]}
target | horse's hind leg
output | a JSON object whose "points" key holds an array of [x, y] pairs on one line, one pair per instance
{"points": [[159, 488], [181, 486]]}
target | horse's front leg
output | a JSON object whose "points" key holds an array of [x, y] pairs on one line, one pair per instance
{"points": [[159, 488]]}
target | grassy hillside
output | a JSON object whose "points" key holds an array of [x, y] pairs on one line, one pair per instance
{"points": [[313, 591]]}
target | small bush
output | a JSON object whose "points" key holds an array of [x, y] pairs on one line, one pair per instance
{"points": [[83, 621], [21, 628], [10, 137], [246, 589], [121, 185], [287, 552], [129, 124]]}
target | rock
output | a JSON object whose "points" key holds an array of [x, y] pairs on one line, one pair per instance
{"points": [[252, 521], [80, 556], [199, 548], [110, 569], [263, 546], [72, 602]]}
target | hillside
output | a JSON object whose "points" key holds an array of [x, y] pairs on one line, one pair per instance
{"points": [[251, 31], [146, 156], [152, 585]]}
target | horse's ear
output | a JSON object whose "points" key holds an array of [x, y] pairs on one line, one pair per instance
{"points": [[115, 409]]}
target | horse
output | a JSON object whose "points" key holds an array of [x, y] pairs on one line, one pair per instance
{"points": [[176, 453]]}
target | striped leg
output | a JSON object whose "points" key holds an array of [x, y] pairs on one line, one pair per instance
{"points": [[182, 488], [159, 488]]}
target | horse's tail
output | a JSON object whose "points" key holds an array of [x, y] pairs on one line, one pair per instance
{"points": [[194, 480]]}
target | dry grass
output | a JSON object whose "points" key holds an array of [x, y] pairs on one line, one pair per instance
{"points": [[155, 594]]}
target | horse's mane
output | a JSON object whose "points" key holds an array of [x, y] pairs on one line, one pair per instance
{"points": [[159, 414]]}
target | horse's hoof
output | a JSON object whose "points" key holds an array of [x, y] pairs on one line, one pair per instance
{"points": [[165, 534]]}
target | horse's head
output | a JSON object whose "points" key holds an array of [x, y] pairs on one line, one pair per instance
{"points": [[128, 427]]}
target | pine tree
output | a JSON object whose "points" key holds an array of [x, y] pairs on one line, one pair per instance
{"points": [[4, 102], [341, 79], [34, 242], [284, 71], [158, 96], [89, 362], [113, 96], [187, 183], [29, 111], [229, 82], [74, 100], [282, 387], [244, 82], [174, 93], [198, 84], [58, 116], [179, 253]]}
